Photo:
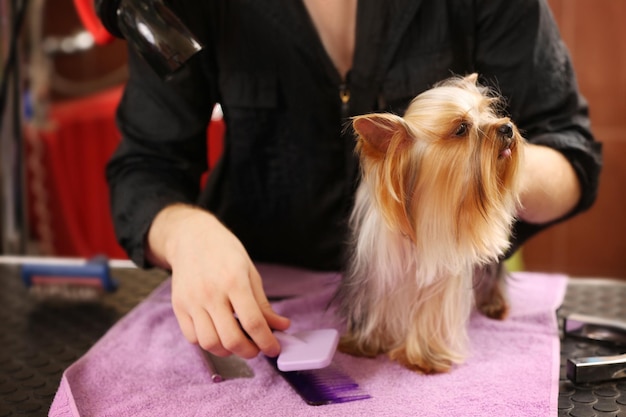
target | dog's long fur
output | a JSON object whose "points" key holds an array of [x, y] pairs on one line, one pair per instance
{"points": [[433, 213]]}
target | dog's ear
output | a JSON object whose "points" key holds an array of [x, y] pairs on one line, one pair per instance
{"points": [[379, 130], [472, 78]]}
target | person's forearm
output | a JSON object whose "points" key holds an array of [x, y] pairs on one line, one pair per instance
{"points": [[550, 187]]}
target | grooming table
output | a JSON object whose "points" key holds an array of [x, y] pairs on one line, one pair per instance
{"points": [[38, 342]]}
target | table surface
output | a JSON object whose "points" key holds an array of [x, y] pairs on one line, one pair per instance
{"points": [[38, 341]]}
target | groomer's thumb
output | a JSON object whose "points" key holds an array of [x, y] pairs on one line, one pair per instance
{"points": [[274, 320]]}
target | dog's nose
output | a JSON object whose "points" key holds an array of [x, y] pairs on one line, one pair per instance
{"points": [[506, 130]]}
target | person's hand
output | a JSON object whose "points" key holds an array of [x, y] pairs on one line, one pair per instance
{"points": [[213, 279]]}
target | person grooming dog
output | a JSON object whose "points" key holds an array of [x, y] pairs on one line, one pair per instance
{"points": [[289, 76]]}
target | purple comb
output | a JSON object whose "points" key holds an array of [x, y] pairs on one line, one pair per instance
{"points": [[305, 362], [328, 385]]}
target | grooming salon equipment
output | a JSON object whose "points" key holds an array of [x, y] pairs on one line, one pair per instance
{"points": [[304, 350], [65, 280], [328, 385], [149, 26], [305, 363], [311, 349], [601, 330]]}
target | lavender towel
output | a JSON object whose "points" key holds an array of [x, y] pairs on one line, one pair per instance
{"points": [[144, 367]]}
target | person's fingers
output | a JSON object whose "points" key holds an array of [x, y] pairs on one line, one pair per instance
{"points": [[274, 320], [186, 326], [254, 323], [198, 327], [258, 330], [207, 302], [231, 336], [207, 335]]}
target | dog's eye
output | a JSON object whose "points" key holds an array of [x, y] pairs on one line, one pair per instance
{"points": [[462, 129]]}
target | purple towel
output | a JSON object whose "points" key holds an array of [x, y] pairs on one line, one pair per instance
{"points": [[144, 367]]}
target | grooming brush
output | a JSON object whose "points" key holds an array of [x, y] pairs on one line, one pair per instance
{"points": [[598, 329], [68, 280], [303, 350], [311, 349], [305, 363]]}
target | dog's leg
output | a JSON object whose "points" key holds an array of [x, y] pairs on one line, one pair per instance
{"points": [[362, 316], [490, 291], [367, 332], [437, 337]]}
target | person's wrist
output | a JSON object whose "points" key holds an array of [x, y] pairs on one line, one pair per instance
{"points": [[167, 231]]}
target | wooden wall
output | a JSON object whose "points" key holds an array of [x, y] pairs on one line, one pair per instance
{"points": [[594, 243]]}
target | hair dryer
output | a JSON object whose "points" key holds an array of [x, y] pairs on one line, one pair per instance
{"points": [[149, 26]]}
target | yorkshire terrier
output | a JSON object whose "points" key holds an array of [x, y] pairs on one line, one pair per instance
{"points": [[432, 219]]}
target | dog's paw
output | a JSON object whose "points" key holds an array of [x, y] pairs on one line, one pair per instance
{"points": [[421, 365], [490, 291], [496, 308]]}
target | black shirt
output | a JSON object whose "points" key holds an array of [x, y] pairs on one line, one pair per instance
{"points": [[285, 182]]}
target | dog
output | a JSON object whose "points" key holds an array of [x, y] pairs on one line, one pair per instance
{"points": [[432, 218]]}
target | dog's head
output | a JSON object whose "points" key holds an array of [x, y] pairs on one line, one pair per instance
{"points": [[445, 174]]}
